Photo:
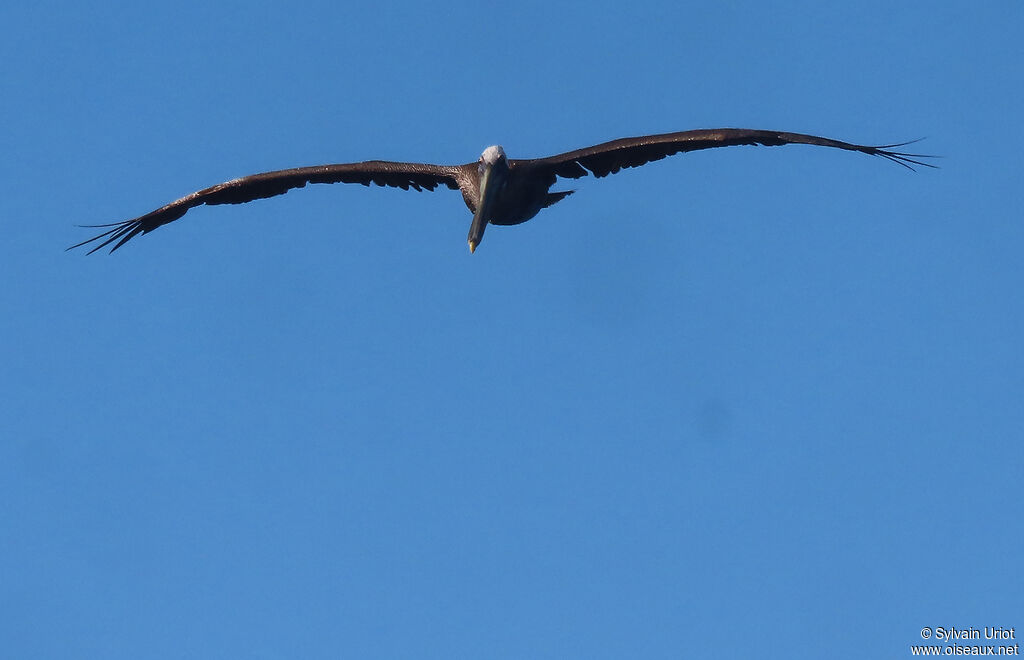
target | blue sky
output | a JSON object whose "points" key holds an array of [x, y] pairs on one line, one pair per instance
{"points": [[746, 402]]}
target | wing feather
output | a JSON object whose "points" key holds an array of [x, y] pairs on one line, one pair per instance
{"points": [[610, 157], [418, 176]]}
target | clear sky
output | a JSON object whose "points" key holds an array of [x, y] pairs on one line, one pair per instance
{"points": [[748, 402]]}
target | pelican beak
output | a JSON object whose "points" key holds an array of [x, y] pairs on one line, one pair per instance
{"points": [[491, 180]]}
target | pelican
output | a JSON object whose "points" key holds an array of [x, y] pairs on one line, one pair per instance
{"points": [[497, 190]]}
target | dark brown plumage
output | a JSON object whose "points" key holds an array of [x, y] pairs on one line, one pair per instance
{"points": [[517, 189]]}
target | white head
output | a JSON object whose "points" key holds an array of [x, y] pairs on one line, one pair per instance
{"points": [[492, 155]]}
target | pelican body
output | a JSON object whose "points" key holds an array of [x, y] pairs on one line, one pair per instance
{"points": [[497, 190]]}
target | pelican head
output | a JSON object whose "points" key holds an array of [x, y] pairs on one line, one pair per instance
{"points": [[492, 155], [493, 171]]}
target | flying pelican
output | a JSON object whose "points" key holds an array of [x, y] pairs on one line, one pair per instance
{"points": [[497, 190]]}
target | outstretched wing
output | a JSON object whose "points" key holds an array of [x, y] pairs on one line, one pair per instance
{"points": [[610, 157], [418, 176]]}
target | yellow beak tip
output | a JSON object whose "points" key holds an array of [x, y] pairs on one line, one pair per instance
{"points": [[472, 247]]}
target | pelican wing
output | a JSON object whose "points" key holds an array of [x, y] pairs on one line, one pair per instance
{"points": [[610, 157], [418, 176]]}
